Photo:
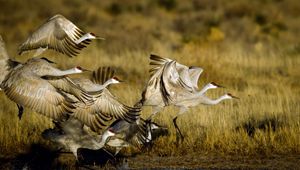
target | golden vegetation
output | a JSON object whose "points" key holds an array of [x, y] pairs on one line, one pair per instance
{"points": [[254, 53]]}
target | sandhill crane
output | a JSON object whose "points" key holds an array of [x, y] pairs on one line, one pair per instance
{"points": [[172, 84], [70, 135], [106, 107], [153, 93], [122, 134], [59, 34], [40, 86], [27, 86], [23, 84], [189, 75], [101, 78]]}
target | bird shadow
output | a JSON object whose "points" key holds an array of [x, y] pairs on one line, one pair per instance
{"points": [[95, 157], [252, 125], [39, 156]]}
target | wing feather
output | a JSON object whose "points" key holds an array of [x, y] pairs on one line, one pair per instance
{"points": [[58, 33], [106, 107], [38, 95], [67, 85]]}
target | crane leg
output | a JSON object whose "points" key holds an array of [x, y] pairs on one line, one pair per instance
{"points": [[177, 130], [21, 110]]}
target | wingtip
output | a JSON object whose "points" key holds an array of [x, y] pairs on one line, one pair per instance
{"points": [[155, 57]]}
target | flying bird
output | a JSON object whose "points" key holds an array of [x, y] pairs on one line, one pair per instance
{"points": [[72, 135], [174, 84], [139, 134], [36, 84], [59, 34], [106, 106]]}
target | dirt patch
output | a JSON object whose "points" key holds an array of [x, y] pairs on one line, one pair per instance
{"points": [[142, 161], [216, 162]]}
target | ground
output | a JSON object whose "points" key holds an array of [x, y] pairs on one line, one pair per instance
{"points": [[43, 158], [250, 47]]}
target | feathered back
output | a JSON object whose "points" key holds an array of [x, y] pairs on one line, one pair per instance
{"points": [[59, 34]]}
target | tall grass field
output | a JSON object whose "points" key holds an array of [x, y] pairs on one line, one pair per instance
{"points": [[250, 48]]}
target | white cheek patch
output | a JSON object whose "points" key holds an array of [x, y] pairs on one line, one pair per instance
{"points": [[110, 133], [153, 126], [77, 70]]}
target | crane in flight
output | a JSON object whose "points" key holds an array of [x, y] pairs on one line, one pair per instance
{"points": [[60, 34], [175, 84]]}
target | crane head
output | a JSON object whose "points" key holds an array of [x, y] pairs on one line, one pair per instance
{"points": [[215, 85], [116, 80], [79, 69], [230, 96], [94, 36]]}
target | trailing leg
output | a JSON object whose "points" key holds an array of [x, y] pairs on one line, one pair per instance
{"points": [[178, 132]]}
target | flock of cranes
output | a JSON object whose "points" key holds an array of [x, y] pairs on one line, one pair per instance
{"points": [[84, 111]]}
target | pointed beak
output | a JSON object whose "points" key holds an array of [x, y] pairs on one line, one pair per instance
{"points": [[86, 70], [215, 84], [234, 97], [98, 38], [121, 81]]}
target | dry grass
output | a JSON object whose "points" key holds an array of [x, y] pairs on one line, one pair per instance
{"points": [[258, 62]]}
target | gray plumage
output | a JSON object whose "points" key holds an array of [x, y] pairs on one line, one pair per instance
{"points": [[172, 83], [138, 134], [106, 107], [59, 34], [71, 135], [28, 86]]}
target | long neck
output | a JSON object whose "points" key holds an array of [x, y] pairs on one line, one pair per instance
{"points": [[105, 137], [208, 101], [108, 82], [58, 72], [203, 90], [98, 87]]}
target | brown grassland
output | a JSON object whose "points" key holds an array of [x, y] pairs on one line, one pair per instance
{"points": [[250, 47]]}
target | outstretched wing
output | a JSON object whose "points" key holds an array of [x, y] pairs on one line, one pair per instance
{"points": [[59, 34], [157, 62], [70, 88], [105, 107], [194, 74], [37, 94]]}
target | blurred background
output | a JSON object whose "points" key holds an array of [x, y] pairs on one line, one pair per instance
{"points": [[142, 25], [251, 47]]}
